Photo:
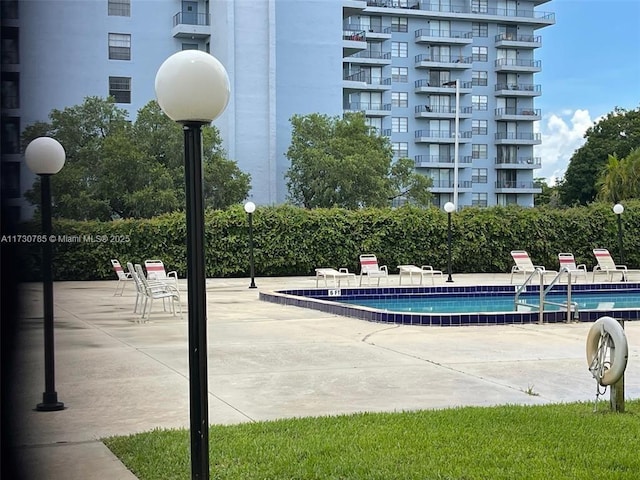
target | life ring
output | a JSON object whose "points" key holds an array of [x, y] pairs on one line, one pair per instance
{"points": [[607, 373]]}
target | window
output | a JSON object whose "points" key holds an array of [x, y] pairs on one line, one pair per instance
{"points": [[400, 149], [399, 49], [479, 175], [479, 54], [10, 90], [479, 102], [120, 8], [479, 199], [374, 122], [11, 179], [479, 78], [399, 99], [119, 46], [399, 24], [480, 29], [10, 49], [479, 6], [399, 124], [478, 150], [9, 9], [120, 89], [399, 74], [479, 127], [10, 135], [189, 46]]}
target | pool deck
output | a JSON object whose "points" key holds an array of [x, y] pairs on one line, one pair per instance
{"points": [[267, 361]]}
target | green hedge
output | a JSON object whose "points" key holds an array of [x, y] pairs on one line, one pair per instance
{"points": [[294, 241]]}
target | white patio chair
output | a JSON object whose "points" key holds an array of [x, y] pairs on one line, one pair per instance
{"points": [[123, 277], [155, 271], [369, 268], [154, 290]]}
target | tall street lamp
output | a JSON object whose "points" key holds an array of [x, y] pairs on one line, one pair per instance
{"points": [[192, 88], [45, 157], [618, 209], [449, 208], [250, 207]]}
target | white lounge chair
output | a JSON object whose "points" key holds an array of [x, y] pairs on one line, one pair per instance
{"points": [[335, 275], [123, 277], [155, 271], [607, 266], [569, 262], [154, 290], [369, 268], [420, 272], [524, 265]]}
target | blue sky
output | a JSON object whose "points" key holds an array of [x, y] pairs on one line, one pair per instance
{"points": [[590, 65]]}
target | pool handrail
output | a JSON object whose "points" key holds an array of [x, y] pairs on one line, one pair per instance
{"points": [[570, 306]]}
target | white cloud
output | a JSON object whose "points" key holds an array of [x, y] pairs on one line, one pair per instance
{"points": [[562, 134]]}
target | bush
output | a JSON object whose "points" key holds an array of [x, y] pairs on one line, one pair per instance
{"points": [[293, 241]]}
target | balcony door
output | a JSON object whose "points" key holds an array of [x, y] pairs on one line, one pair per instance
{"points": [[190, 13]]}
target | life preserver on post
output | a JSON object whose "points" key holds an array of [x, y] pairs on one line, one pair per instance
{"points": [[607, 333]]}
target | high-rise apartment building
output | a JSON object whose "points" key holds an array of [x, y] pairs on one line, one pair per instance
{"points": [[450, 82]]}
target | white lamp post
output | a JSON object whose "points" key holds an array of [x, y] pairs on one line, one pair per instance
{"points": [[45, 157], [250, 207], [192, 88], [449, 208], [618, 209]]}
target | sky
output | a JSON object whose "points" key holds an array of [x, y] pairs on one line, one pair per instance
{"points": [[590, 65]]}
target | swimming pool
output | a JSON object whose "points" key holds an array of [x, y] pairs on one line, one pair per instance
{"points": [[602, 298]]}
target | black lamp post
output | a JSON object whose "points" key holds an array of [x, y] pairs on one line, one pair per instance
{"points": [[45, 157], [618, 209], [449, 208], [193, 89], [250, 207]]}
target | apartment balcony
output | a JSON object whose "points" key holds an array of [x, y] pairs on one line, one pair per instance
{"points": [[441, 136], [448, 62], [353, 7], [368, 57], [516, 186], [518, 65], [370, 109], [517, 90], [425, 86], [519, 163], [531, 17], [510, 40], [441, 111], [364, 81], [517, 138], [196, 26], [446, 186], [374, 32], [439, 161], [515, 114], [443, 37], [353, 41], [401, 4]]}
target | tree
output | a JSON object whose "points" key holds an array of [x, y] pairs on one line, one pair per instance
{"points": [[620, 179], [342, 162], [548, 196], [616, 134], [117, 169]]}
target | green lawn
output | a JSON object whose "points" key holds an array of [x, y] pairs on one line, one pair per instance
{"points": [[564, 441]]}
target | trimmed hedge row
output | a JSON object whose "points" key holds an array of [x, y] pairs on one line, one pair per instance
{"points": [[293, 241]]}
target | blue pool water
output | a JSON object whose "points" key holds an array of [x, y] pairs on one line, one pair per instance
{"points": [[495, 303], [464, 305]]}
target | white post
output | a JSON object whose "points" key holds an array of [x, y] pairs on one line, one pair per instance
{"points": [[455, 146]]}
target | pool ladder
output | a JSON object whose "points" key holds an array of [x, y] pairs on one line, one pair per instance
{"points": [[572, 307]]}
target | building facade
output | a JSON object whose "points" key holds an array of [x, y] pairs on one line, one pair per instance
{"points": [[450, 82]]}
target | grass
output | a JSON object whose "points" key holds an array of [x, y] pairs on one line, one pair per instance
{"points": [[549, 442]]}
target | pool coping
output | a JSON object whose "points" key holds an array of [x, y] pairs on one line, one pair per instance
{"points": [[325, 300]]}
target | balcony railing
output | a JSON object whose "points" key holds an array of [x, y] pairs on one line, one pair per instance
{"points": [[451, 183], [511, 37], [367, 28], [187, 18], [516, 62], [410, 4], [423, 57], [354, 35], [530, 161], [533, 112], [359, 106], [517, 136], [372, 54], [502, 12], [441, 134], [430, 159], [424, 32], [518, 87], [424, 82], [440, 109], [367, 78], [514, 184]]}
